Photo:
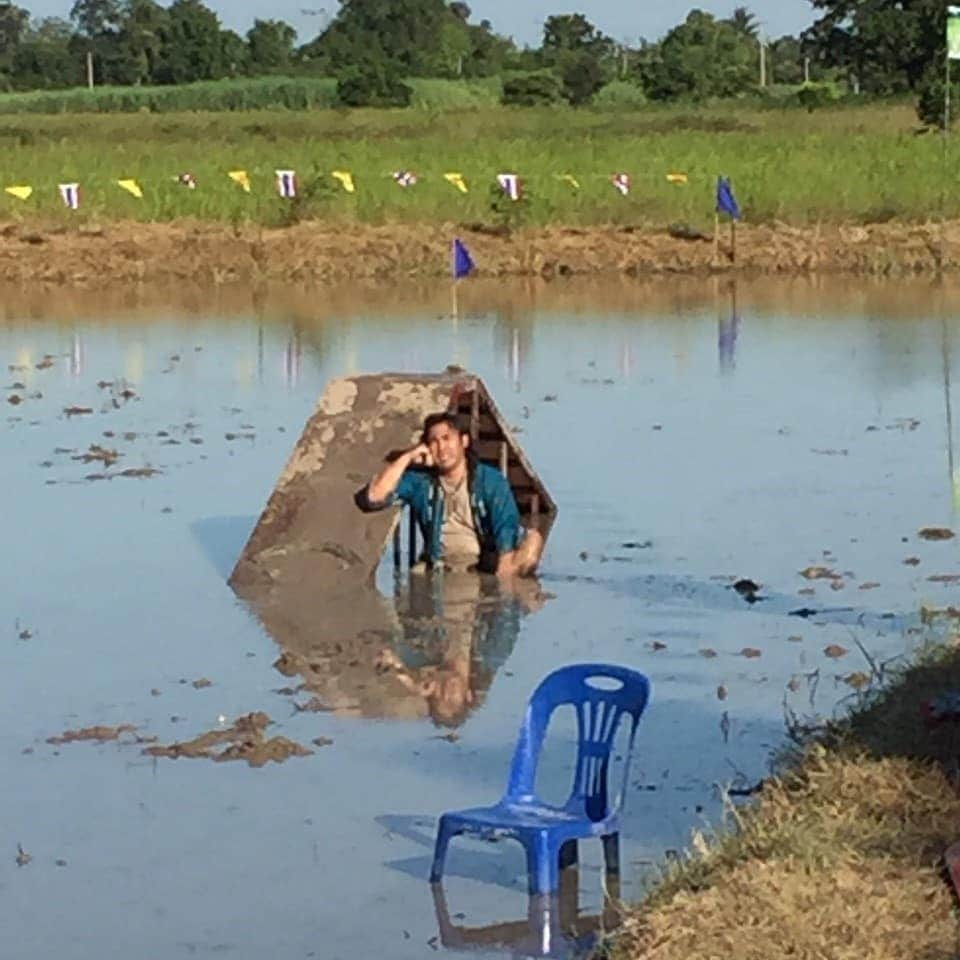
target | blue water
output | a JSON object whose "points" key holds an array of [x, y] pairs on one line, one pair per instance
{"points": [[799, 425]]}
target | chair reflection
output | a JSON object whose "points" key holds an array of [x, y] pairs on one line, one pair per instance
{"points": [[553, 926]]}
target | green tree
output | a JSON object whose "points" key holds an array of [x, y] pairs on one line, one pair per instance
{"points": [[14, 22], [270, 43], [582, 75], [886, 46], [234, 54], [372, 82], [44, 59], [96, 17], [140, 40], [192, 47], [744, 22], [573, 33], [488, 51], [702, 57], [403, 33]]}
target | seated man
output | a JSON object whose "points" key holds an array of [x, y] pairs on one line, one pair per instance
{"points": [[465, 510]]}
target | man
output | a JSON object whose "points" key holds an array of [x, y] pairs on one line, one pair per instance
{"points": [[465, 510]]}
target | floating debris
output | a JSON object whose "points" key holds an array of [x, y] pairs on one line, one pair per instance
{"points": [[657, 645], [944, 578], [322, 741], [23, 858], [935, 533], [911, 562], [747, 589], [245, 740], [14, 400], [751, 653], [857, 680], [96, 453], [819, 573], [100, 734], [202, 683], [835, 651], [869, 585], [77, 411], [721, 692], [708, 652]]}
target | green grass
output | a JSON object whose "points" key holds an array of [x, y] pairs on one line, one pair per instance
{"points": [[838, 165]]}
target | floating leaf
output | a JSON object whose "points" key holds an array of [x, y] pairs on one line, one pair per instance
{"points": [[835, 651]]}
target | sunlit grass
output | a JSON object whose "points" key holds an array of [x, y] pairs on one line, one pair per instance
{"points": [[843, 164]]}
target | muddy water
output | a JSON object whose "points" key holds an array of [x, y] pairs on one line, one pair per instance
{"points": [[691, 434]]}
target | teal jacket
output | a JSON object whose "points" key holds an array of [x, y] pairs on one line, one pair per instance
{"points": [[491, 499]]}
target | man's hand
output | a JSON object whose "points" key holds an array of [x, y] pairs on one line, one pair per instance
{"points": [[420, 456]]}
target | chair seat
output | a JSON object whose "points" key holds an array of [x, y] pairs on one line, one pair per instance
{"points": [[508, 817]]}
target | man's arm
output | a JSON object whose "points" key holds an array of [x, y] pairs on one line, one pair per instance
{"points": [[384, 484]]}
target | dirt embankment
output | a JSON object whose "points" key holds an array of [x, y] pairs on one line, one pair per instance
{"points": [[843, 855], [129, 251]]}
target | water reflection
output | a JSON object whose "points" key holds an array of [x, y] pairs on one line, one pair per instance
{"points": [[431, 653], [728, 325], [553, 927]]}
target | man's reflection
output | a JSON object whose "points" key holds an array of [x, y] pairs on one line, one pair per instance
{"points": [[458, 629], [432, 654]]}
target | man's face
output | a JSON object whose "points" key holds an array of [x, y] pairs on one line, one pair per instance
{"points": [[448, 447]]}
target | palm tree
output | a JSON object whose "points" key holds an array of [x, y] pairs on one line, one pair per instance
{"points": [[743, 21]]}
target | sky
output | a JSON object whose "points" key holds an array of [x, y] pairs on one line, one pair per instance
{"points": [[624, 20]]}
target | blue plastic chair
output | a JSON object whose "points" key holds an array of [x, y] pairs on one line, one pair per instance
{"points": [[545, 830]]}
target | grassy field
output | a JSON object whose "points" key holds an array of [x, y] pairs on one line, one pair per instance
{"points": [[844, 164], [841, 858]]}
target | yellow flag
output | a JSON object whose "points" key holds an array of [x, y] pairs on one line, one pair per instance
{"points": [[346, 178], [457, 180], [21, 193], [569, 178], [132, 187], [676, 178], [240, 177]]}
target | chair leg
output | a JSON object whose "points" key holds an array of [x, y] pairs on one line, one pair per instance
{"points": [[611, 853], [543, 857], [444, 835]]}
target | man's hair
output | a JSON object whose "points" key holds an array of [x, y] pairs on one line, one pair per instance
{"points": [[448, 417]]}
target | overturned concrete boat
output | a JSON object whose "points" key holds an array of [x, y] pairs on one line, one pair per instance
{"points": [[308, 568]]}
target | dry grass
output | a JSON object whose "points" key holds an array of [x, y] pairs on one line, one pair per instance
{"points": [[841, 858]]}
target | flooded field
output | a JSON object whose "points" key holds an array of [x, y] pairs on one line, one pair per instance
{"points": [[797, 435]]}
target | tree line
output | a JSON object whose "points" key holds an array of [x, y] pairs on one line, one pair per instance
{"points": [[875, 47]]}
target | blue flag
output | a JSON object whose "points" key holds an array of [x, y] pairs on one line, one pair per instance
{"points": [[726, 201], [462, 261]]}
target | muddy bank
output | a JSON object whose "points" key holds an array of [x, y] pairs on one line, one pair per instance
{"points": [[129, 251], [843, 855]]}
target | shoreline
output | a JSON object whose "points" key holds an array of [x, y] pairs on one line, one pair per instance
{"points": [[841, 856], [96, 253]]}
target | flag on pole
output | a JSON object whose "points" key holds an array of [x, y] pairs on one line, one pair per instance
{"points": [[726, 201], [510, 185], [404, 178], [21, 193], [132, 187], [569, 178], [953, 33], [346, 180], [462, 262], [240, 178], [287, 183], [70, 194], [457, 180], [622, 182]]}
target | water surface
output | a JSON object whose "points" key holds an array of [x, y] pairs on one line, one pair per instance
{"points": [[691, 434]]}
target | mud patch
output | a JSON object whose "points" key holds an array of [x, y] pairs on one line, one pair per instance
{"points": [[243, 740]]}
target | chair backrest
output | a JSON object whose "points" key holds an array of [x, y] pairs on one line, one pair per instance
{"points": [[602, 694]]}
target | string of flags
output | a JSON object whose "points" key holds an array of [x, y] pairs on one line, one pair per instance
{"points": [[287, 185]]}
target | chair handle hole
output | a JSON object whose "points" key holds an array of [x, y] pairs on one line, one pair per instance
{"points": [[601, 682]]}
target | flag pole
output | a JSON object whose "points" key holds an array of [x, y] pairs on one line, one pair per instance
{"points": [[716, 237], [733, 240]]}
